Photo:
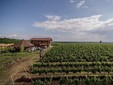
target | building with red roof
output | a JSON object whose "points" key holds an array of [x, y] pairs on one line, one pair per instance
{"points": [[41, 42]]}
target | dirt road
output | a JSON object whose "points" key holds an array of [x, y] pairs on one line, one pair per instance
{"points": [[19, 69]]}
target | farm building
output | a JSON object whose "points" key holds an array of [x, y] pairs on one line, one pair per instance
{"points": [[25, 44], [41, 42], [6, 45]]}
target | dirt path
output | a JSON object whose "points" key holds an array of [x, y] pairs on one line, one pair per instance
{"points": [[19, 69]]}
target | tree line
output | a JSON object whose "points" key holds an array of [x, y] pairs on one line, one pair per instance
{"points": [[8, 40]]}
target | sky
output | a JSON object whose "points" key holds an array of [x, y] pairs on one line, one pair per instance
{"points": [[62, 20]]}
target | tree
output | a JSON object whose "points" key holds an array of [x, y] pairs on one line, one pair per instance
{"points": [[8, 40], [100, 41], [21, 48]]}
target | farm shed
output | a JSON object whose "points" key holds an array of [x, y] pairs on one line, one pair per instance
{"points": [[6, 45], [23, 43], [41, 42]]}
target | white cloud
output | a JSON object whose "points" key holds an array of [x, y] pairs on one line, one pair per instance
{"points": [[16, 36], [87, 23], [13, 35], [71, 1], [9, 35], [78, 28], [53, 17], [80, 4]]}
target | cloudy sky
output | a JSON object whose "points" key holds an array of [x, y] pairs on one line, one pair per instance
{"points": [[62, 20]]}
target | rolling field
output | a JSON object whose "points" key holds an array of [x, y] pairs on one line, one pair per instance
{"points": [[75, 64]]}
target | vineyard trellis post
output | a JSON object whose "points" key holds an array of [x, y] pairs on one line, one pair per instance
{"points": [[12, 80], [42, 51], [25, 71]]}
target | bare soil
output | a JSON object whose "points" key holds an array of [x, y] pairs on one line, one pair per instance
{"points": [[18, 70], [18, 73]]}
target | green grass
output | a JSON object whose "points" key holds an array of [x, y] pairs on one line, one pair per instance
{"points": [[8, 59]]}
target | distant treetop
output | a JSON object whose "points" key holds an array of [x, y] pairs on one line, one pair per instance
{"points": [[8, 40]]}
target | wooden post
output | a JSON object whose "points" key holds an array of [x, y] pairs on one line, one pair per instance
{"points": [[12, 80], [25, 71]]}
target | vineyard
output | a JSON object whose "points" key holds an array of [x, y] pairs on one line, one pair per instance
{"points": [[75, 64]]}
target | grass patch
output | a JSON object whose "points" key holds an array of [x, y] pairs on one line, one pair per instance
{"points": [[8, 59]]}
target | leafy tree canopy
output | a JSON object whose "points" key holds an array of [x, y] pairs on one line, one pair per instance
{"points": [[8, 40]]}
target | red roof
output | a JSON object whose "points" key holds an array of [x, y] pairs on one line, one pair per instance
{"points": [[42, 39], [23, 43]]}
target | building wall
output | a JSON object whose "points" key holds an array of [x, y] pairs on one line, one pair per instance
{"points": [[38, 43], [5, 45]]}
